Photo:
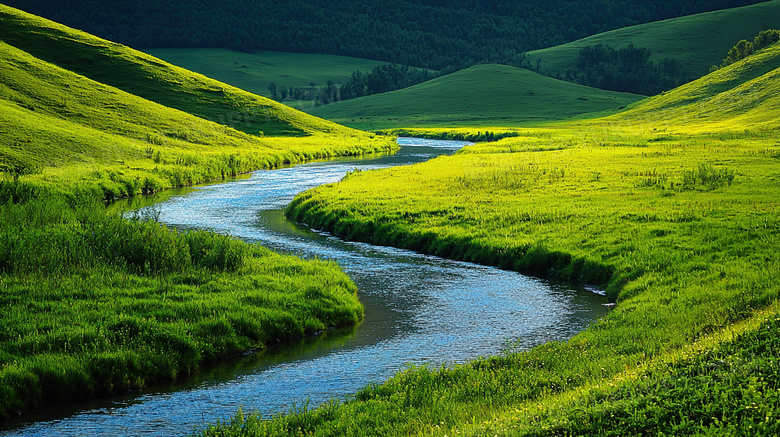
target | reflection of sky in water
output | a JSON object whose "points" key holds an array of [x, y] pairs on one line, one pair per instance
{"points": [[419, 309]]}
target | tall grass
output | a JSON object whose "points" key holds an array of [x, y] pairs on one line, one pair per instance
{"points": [[95, 304]]}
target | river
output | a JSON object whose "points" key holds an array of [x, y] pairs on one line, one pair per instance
{"points": [[419, 309]]}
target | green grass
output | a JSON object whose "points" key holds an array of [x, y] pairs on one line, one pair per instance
{"points": [[254, 71], [94, 304], [697, 41], [675, 216], [485, 95], [76, 130], [153, 79]]}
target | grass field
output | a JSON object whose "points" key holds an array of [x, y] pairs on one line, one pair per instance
{"points": [[254, 71], [697, 41], [485, 95], [92, 304], [672, 207]]}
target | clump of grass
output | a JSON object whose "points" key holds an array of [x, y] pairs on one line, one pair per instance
{"points": [[94, 304]]}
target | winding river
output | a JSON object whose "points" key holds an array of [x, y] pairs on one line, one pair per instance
{"points": [[419, 310]]}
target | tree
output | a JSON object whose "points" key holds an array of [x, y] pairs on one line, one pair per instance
{"points": [[272, 88]]}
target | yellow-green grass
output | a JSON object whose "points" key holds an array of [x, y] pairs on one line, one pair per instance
{"points": [[153, 79], [697, 41], [93, 305], [678, 221], [485, 95], [78, 130], [253, 72]]}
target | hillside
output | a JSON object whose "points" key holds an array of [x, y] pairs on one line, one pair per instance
{"points": [[420, 33], [697, 41], [152, 79], [87, 115], [744, 97], [485, 95], [254, 71]]}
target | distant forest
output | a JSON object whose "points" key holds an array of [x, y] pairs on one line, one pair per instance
{"points": [[435, 34]]}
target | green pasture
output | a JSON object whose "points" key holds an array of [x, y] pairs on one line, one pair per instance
{"points": [[254, 71], [485, 95]]}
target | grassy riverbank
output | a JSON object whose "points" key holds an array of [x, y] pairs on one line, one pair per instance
{"points": [[671, 206], [94, 304]]}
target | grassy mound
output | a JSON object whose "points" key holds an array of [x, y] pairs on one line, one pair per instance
{"points": [[153, 79], [677, 220], [697, 41], [485, 95]]}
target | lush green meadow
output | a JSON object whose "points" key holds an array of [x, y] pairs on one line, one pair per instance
{"points": [[672, 207], [94, 304], [485, 95], [254, 71], [697, 41]]}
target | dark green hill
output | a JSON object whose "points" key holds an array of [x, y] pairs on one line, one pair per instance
{"points": [[485, 95], [697, 41], [421, 33]]}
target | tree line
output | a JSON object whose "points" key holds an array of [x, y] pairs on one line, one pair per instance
{"points": [[422, 33], [745, 48], [628, 69], [381, 79]]}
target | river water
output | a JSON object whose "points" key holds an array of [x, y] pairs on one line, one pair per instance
{"points": [[419, 310]]}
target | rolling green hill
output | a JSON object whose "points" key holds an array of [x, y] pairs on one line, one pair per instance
{"points": [[81, 109], [697, 41], [485, 95], [740, 98], [153, 79], [254, 71]]}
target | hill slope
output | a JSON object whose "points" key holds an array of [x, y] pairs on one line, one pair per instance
{"points": [[697, 41], [153, 79], [421, 33], [77, 130], [485, 95], [744, 96], [254, 71]]}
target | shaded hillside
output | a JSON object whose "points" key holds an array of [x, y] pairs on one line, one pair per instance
{"points": [[697, 41], [485, 95], [421, 33]]}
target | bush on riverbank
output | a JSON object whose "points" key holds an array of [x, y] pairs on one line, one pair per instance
{"points": [[94, 304]]}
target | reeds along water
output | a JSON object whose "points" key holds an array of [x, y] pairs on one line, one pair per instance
{"points": [[95, 304]]}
